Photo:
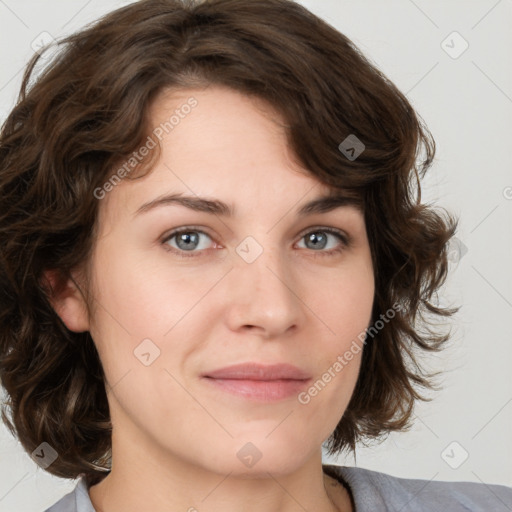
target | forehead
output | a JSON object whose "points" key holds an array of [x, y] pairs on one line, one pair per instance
{"points": [[228, 145], [224, 127]]}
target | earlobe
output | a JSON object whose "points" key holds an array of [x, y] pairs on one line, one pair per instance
{"points": [[67, 300]]}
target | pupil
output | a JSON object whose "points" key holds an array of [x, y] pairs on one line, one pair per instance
{"points": [[186, 237], [313, 237]]}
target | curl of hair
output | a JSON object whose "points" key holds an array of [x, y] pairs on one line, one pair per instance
{"points": [[82, 116]]}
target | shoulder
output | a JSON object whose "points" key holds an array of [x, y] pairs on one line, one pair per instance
{"points": [[373, 490], [76, 501]]}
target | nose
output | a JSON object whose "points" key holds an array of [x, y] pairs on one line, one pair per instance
{"points": [[264, 295]]}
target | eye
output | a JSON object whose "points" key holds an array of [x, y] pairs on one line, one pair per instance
{"points": [[318, 239], [187, 240], [190, 242]]}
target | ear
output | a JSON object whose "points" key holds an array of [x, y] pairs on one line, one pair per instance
{"points": [[67, 300]]}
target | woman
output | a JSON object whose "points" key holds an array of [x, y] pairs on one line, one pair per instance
{"points": [[214, 261]]}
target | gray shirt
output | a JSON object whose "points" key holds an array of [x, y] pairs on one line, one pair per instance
{"points": [[375, 492]]}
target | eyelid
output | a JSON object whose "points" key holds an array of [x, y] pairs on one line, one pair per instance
{"points": [[344, 238], [185, 229]]}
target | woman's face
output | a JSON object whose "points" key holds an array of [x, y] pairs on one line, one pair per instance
{"points": [[265, 284]]}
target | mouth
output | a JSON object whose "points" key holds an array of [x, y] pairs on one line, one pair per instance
{"points": [[259, 382]]}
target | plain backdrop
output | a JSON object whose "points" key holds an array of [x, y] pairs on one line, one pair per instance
{"points": [[452, 59]]}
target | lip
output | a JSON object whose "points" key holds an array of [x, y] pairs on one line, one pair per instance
{"points": [[258, 371], [259, 382]]}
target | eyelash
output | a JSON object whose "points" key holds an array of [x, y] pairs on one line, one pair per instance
{"points": [[344, 239]]}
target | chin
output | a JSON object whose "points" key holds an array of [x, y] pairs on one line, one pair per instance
{"points": [[255, 459]]}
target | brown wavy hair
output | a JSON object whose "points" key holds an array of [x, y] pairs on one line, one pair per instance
{"points": [[86, 110]]}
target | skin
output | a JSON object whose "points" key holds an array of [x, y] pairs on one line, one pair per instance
{"points": [[175, 438]]}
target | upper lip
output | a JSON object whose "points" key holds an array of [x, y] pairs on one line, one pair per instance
{"points": [[258, 371]]}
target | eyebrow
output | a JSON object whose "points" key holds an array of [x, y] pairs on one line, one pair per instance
{"points": [[322, 204]]}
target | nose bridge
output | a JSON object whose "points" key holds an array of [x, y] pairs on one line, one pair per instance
{"points": [[265, 285]]}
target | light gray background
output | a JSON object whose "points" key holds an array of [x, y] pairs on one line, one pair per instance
{"points": [[467, 103]]}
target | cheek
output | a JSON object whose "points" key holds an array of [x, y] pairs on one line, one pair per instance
{"points": [[138, 302], [141, 297], [344, 307], [343, 302]]}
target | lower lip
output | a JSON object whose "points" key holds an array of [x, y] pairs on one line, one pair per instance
{"points": [[261, 390]]}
